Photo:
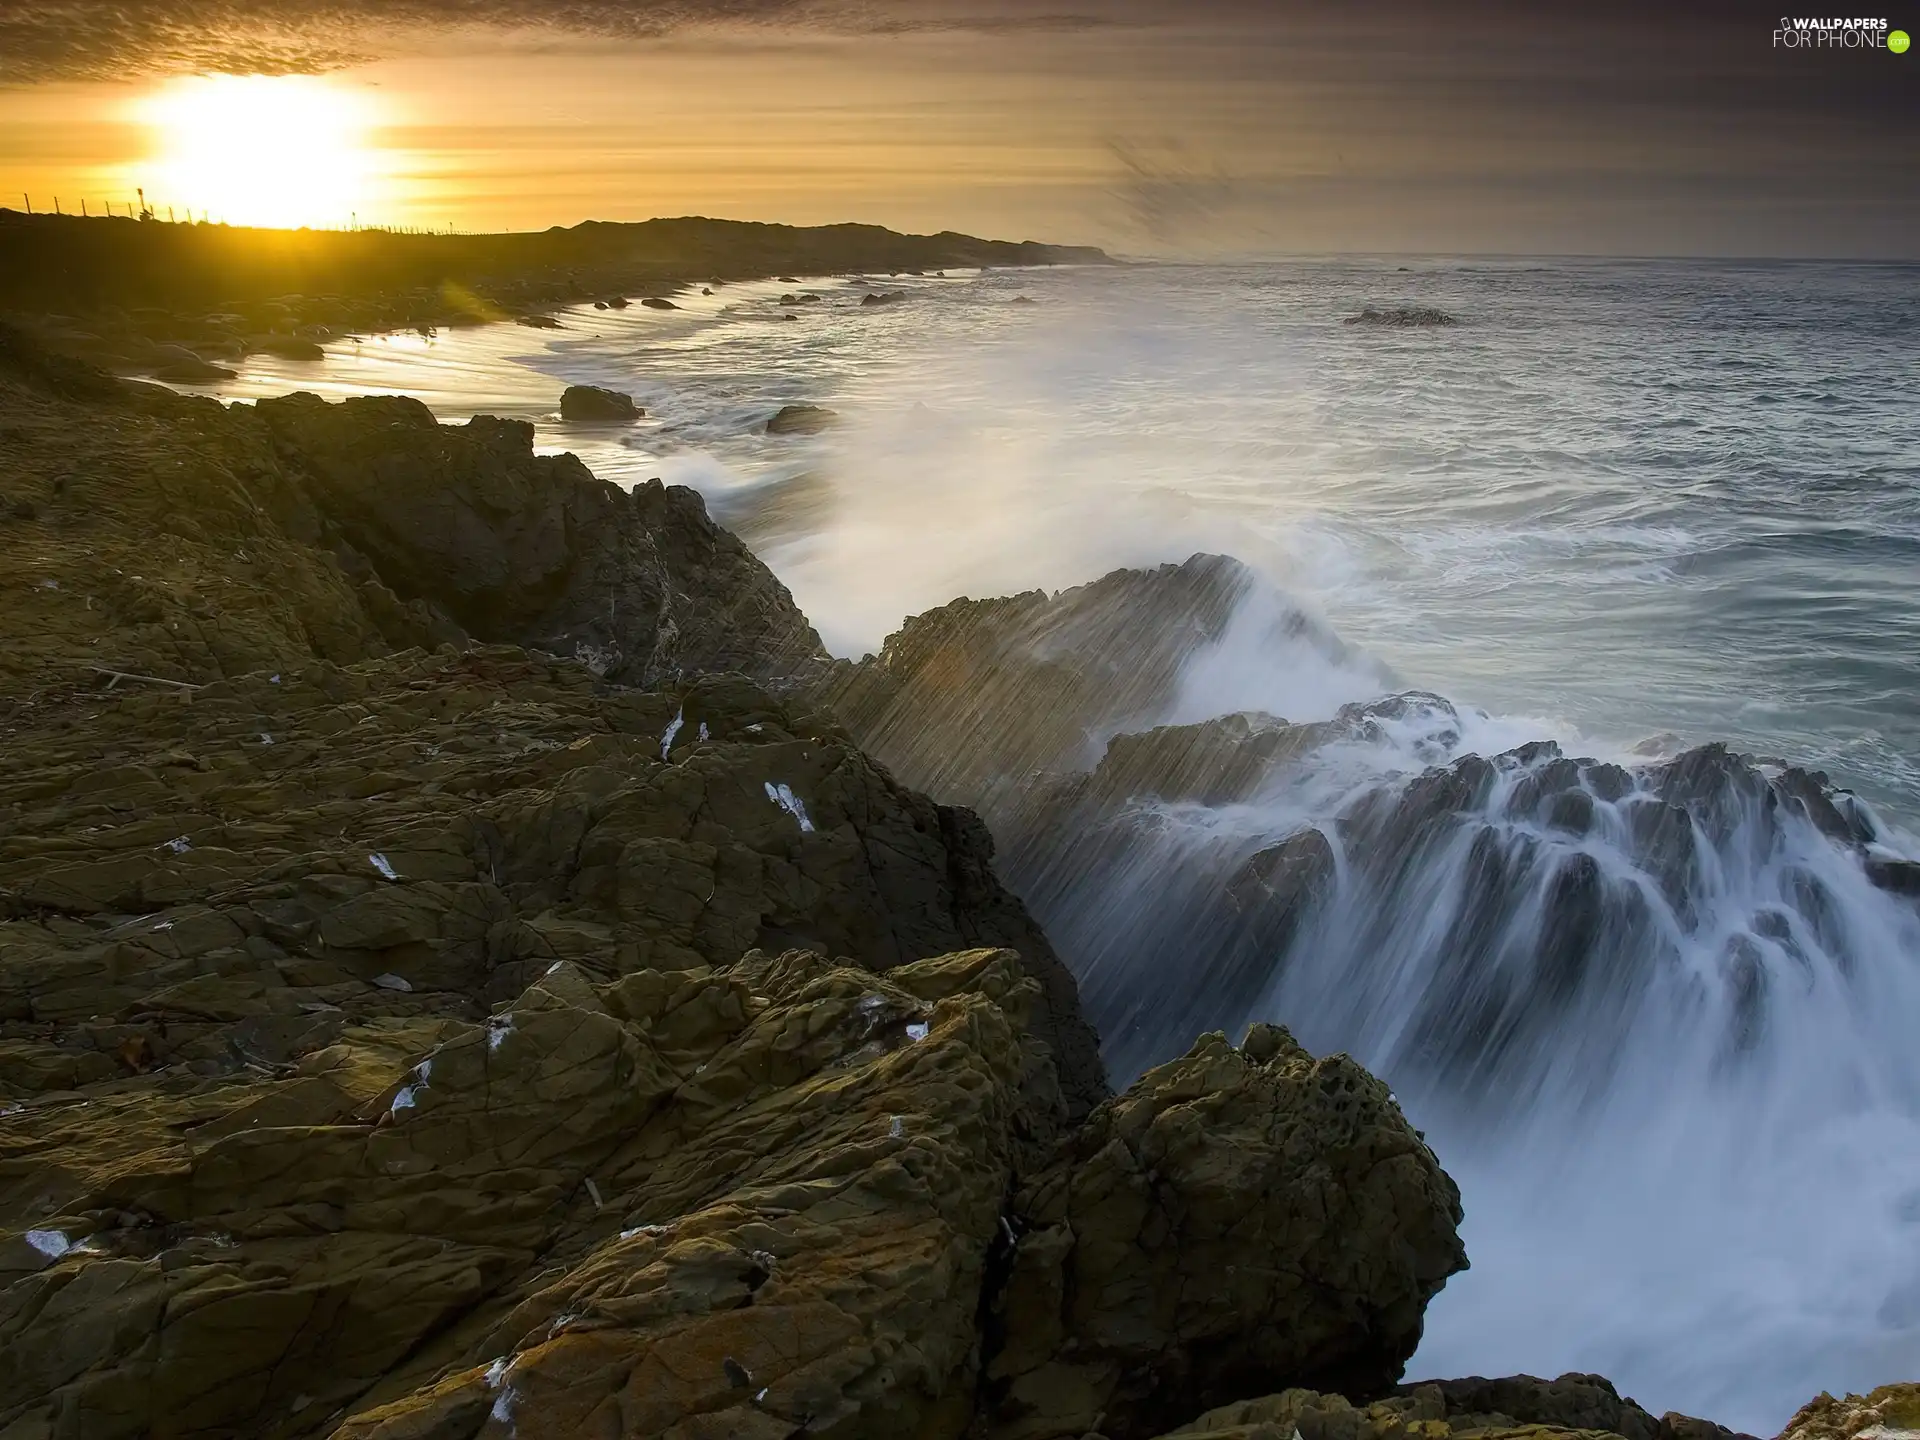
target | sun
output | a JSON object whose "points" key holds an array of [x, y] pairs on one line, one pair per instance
{"points": [[281, 151]]}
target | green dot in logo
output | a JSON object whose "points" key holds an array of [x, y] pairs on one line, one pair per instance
{"points": [[1897, 41]]}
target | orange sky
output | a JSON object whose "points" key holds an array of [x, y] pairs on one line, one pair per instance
{"points": [[1246, 134]]}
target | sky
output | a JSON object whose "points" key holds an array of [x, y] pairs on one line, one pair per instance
{"points": [[1179, 128]]}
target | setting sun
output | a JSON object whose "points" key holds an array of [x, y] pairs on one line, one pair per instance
{"points": [[262, 150]]}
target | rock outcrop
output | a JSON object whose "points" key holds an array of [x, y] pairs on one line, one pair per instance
{"points": [[1518, 1407], [597, 405], [1891, 1410], [977, 697], [1237, 1219], [186, 541], [404, 1037], [801, 420]]}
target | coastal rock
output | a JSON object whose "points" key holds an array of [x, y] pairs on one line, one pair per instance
{"points": [[976, 697], [457, 823], [1890, 1411], [541, 322], [287, 347], [1403, 317], [656, 302], [747, 1197], [1518, 1406], [802, 420], [192, 371], [595, 404], [511, 546], [887, 297], [1143, 1284]]}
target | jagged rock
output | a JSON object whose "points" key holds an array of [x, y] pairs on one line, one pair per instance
{"points": [[457, 823], [801, 420], [534, 550], [1146, 1282], [592, 403], [747, 1197], [1510, 1409], [1889, 1411], [186, 541], [888, 297], [974, 698]]}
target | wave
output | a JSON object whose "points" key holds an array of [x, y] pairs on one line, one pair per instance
{"points": [[1652, 1008]]}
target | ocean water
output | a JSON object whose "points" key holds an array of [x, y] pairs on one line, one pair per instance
{"points": [[1618, 500]]}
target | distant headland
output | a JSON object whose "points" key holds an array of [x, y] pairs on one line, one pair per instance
{"points": [[133, 294]]}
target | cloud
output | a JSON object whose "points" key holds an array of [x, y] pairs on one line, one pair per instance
{"points": [[117, 39]]}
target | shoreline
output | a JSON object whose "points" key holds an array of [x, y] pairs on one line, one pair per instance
{"points": [[173, 301]]}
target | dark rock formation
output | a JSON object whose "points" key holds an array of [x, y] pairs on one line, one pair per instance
{"points": [[192, 371], [594, 404], [886, 297], [802, 420], [976, 697], [1516, 1408], [541, 322], [657, 302], [1137, 1293], [287, 347], [1403, 317], [532, 549]]}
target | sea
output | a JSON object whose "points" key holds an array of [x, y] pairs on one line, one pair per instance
{"points": [[1629, 506]]}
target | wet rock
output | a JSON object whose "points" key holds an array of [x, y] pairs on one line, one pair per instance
{"points": [[888, 297], [192, 371], [1898, 877], [1403, 317], [1201, 1168], [592, 403], [287, 347], [802, 420], [656, 302], [974, 698]]}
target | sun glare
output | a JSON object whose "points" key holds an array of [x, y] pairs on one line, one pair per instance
{"points": [[280, 151]]}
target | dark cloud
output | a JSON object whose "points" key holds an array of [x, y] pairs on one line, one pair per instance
{"points": [[108, 39]]}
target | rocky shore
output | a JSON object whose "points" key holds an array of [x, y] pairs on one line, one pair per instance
{"points": [[464, 972], [182, 303]]}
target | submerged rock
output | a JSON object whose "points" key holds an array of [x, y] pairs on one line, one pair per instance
{"points": [[1403, 317], [657, 302], [802, 419], [593, 403]]}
